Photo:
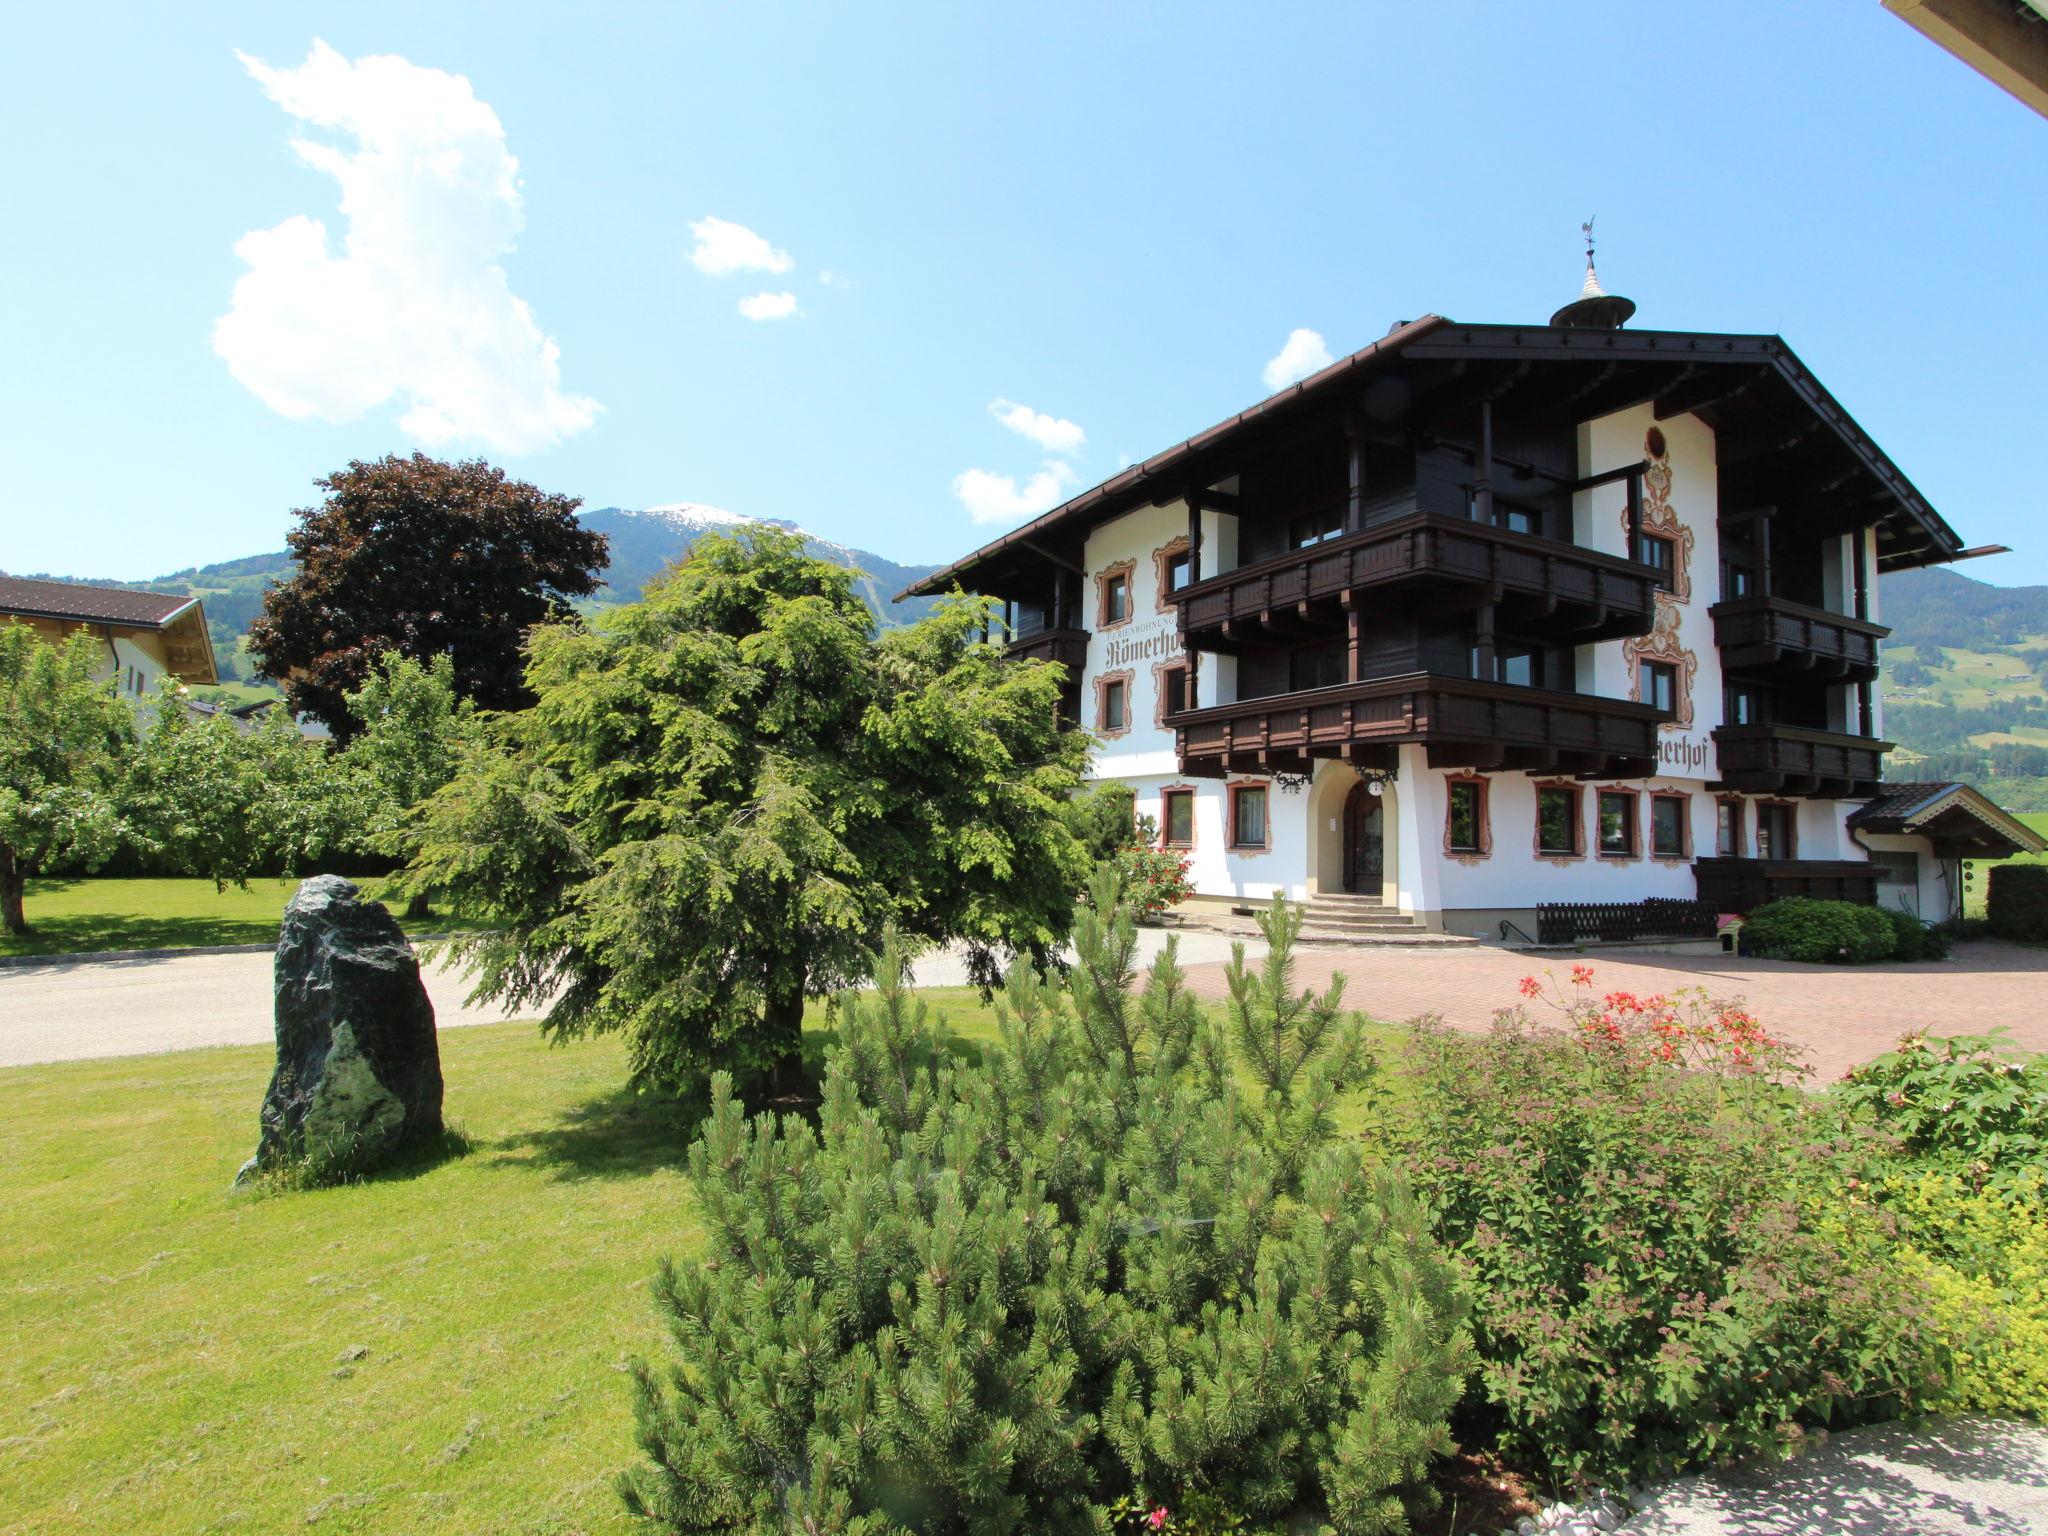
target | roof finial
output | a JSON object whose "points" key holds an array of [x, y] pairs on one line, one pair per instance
{"points": [[1594, 309]]}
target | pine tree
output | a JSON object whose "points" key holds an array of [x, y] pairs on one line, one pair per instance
{"points": [[1111, 1260]]}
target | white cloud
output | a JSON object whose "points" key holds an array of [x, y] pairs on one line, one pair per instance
{"points": [[993, 498], [724, 248], [413, 306], [1303, 355], [769, 306], [1053, 434], [833, 279]]}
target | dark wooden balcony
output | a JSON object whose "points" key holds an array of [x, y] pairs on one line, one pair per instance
{"points": [[1791, 760], [1066, 646], [1463, 722], [1738, 885], [1591, 595], [1771, 633]]}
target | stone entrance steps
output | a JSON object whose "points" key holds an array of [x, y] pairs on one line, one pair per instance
{"points": [[1333, 918]]}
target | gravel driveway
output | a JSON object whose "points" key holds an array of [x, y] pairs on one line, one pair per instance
{"points": [[64, 1012], [61, 1012]]}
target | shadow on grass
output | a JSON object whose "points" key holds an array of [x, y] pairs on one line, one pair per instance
{"points": [[409, 1162], [617, 1135], [59, 936]]}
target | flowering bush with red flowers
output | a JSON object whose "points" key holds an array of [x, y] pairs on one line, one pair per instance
{"points": [[1154, 878], [1645, 1208]]}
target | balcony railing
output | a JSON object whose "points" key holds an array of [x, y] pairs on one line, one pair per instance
{"points": [[1760, 632], [1738, 885], [1478, 722], [1788, 759], [1067, 646], [1583, 590]]}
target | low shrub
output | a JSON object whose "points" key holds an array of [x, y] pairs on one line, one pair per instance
{"points": [[1818, 932], [1102, 818], [1662, 1273], [1154, 878], [1123, 1263], [1984, 1257], [1915, 940], [1970, 1104], [2016, 902]]}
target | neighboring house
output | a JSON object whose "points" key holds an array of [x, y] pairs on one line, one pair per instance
{"points": [[2005, 41], [1487, 618], [146, 634]]}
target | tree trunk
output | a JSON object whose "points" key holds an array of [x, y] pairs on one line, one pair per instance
{"points": [[13, 884], [419, 905], [782, 1038]]}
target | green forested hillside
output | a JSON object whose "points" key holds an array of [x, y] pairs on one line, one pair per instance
{"points": [[1966, 684], [643, 543]]}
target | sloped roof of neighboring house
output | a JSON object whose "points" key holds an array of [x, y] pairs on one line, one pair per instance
{"points": [[179, 619], [1952, 814], [1753, 383], [91, 605]]}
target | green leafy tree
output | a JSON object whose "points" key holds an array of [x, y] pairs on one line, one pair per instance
{"points": [[724, 794], [204, 797], [63, 740], [1073, 1278], [428, 559], [412, 729]]}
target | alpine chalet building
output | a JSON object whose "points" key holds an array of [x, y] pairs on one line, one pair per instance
{"points": [[1486, 619]]}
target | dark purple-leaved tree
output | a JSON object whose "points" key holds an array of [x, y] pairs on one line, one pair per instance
{"points": [[428, 559]]}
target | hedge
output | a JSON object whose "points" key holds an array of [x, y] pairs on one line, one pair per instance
{"points": [[2018, 903], [1819, 932]]}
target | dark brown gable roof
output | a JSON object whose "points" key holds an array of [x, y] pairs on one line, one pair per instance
{"points": [[1139, 482], [1710, 372], [65, 602]]}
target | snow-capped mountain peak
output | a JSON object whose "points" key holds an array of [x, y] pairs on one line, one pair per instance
{"points": [[701, 515]]}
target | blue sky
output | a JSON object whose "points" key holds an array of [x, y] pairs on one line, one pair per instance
{"points": [[1113, 216]]}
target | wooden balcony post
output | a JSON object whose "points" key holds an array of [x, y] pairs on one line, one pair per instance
{"points": [[1763, 554], [1862, 569], [1635, 514], [1351, 626], [1484, 644], [1482, 481], [1194, 537], [1354, 497]]}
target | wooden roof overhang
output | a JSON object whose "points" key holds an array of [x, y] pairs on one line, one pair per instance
{"points": [[1960, 821], [1782, 433]]}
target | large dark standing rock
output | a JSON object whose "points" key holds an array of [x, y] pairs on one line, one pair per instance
{"points": [[358, 1066]]}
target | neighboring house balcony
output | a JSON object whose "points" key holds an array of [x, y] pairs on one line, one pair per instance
{"points": [[1066, 646], [1568, 589], [1739, 885], [1464, 722], [1777, 635], [1793, 760]]}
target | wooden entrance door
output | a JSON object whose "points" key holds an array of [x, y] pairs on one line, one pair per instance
{"points": [[1365, 859]]}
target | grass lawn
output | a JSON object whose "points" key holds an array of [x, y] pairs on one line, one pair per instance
{"points": [[77, 916], [183, 1359]]}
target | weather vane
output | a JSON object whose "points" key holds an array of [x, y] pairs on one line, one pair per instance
{"points": [[1587, 227]]}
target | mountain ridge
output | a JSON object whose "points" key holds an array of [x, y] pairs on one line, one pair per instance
{"points": [[644, 541]]}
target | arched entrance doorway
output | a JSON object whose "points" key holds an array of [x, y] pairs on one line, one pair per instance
{"points": [[1365, 842]]}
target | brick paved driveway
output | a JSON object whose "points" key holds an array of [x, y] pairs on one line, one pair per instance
{"points": [[1840, 1016]]}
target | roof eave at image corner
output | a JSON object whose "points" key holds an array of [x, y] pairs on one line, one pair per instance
{"points": [[1126, 481], [1782, 358]]}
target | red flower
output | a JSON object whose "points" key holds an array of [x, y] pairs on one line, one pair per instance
{"points": [[1582, 975], [1531, 987], [1157, 1519]]}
